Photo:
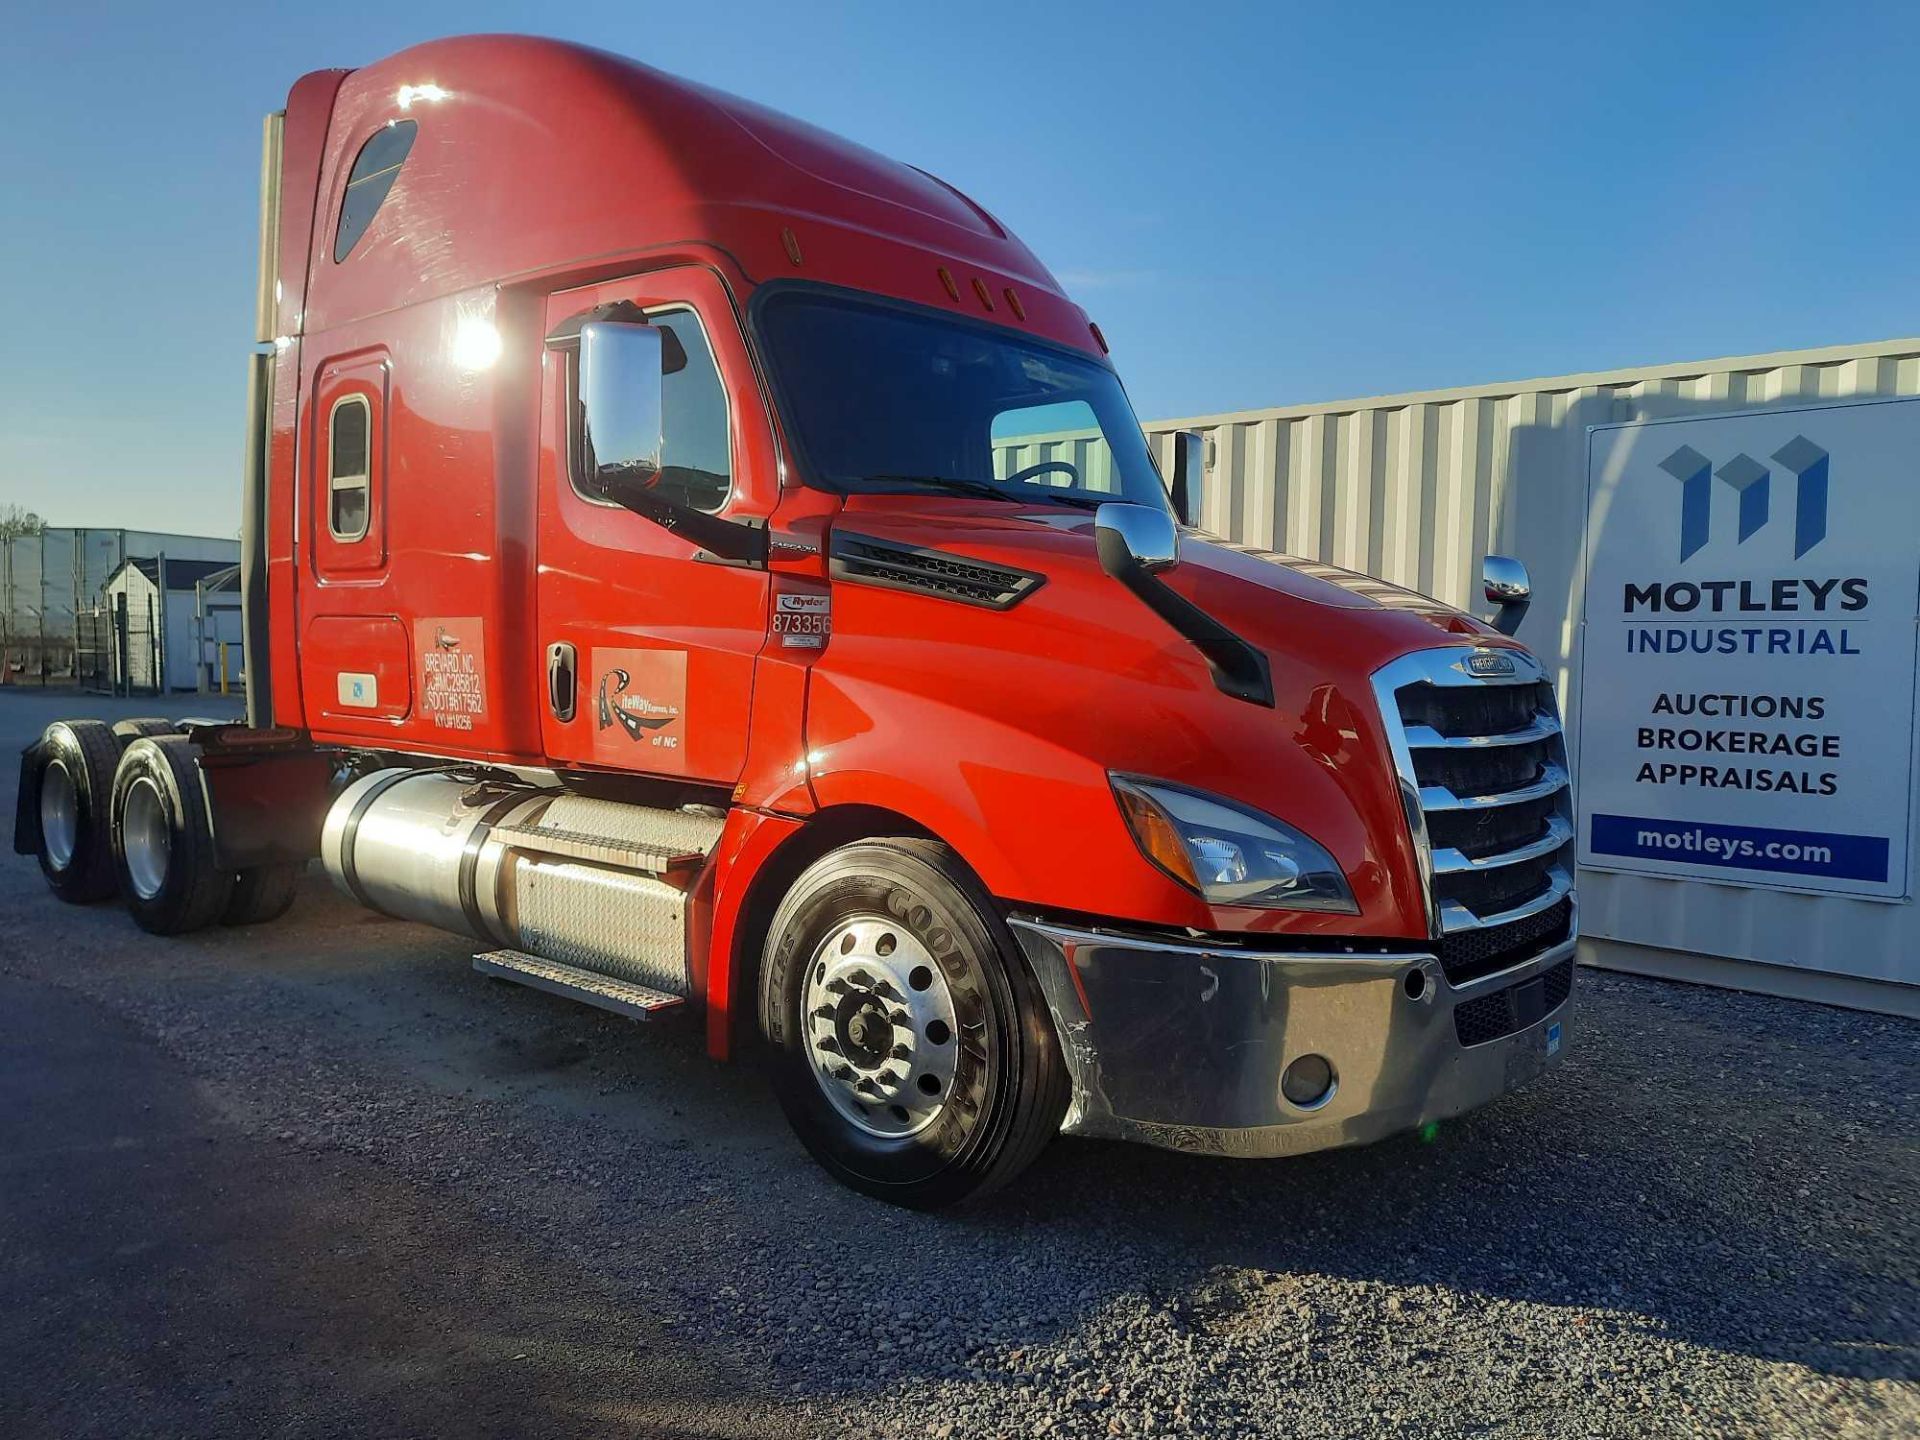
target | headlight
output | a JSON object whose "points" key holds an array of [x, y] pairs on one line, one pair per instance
{"points": [[1228, 854]]}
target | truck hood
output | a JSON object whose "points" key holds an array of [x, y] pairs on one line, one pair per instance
{"points": [[1075, 679], [1243, 586]]}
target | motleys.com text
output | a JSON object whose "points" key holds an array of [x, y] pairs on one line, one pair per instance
{"points": [[1697, 840], [1813, 853]]}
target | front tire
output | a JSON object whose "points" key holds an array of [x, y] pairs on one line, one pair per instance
{"points": [[162, 840], [909, 1045]]}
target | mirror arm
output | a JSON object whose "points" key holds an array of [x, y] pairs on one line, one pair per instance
{"points": [[727, 539], [1189, 459], [1507, 618], [1239, 668]]}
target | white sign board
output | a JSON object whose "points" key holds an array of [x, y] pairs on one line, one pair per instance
{"points": [[1747, 673]]}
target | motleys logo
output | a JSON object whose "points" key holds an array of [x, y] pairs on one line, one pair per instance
{"points": [[1753, 483]]}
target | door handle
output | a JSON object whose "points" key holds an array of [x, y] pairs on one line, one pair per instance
{"points": [[563, 685]]}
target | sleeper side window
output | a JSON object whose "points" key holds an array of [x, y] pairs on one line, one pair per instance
{"points": [[349, 444], [375, 169]]}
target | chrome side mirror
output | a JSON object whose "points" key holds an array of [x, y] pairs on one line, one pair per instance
{"points": [[1135, 535], [1504, 581], [1189, 474], [621, 406]]}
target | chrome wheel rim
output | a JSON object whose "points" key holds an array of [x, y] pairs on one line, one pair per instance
{"points": [[59, 816], [146, 838], [881, 1032]]}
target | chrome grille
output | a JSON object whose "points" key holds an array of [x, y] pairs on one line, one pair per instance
{"points": [[1483, 772]]}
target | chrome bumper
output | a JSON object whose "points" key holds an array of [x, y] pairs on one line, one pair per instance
{"points": [[1183, 1045]]}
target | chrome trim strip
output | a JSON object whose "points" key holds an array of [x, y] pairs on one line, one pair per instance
{"points": [[1069, 935], [1500, 979], [1456, 918], [1424, 737], [1455, 862], [1438, 797]]}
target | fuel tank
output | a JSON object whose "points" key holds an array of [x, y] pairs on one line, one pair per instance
{"points": [[583, 881]]}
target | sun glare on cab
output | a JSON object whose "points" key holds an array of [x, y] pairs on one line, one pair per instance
{"points": [[476, 344]]}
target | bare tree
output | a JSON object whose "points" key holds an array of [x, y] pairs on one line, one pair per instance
{"points": [[16, 521]]}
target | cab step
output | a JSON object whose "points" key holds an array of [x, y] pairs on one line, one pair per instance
{"points": [[623, 997], [674, 864]]}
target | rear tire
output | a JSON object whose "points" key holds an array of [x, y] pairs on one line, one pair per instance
{"points": [[162, 841], [75, 843], [262, 894], [909, 1045], [128, 731]]}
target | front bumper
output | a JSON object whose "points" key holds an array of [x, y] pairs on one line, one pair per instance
{"points": [[1183, 1045]]}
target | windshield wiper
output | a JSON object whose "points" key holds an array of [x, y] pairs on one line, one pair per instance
{"points": [[966, 485]]}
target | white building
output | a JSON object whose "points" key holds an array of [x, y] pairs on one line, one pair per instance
{"points": [[179, 613]]}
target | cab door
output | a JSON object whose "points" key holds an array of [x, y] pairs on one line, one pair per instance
{"points": [[649, 643]]}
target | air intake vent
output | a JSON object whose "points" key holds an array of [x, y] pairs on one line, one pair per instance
{"points": [[868, 561]]}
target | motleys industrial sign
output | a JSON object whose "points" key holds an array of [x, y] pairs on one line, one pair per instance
{"points": [[1747, 670]]}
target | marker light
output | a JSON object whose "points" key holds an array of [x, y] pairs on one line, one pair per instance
{"points": [[1228, 854]]}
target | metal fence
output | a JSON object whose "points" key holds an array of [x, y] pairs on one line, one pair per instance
{"points": [[118, 650], [48, 580]]}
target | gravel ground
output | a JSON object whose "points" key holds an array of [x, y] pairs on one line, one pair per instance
{"points": [[440, 1205]]}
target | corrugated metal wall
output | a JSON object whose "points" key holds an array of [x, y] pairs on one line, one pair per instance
{"points": [[1417, 488]]}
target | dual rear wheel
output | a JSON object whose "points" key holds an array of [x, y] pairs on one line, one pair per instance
{"points": [[123, 809]]}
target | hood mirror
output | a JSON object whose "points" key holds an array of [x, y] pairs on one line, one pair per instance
{"points": [[1142, 536], [1505, 583]]}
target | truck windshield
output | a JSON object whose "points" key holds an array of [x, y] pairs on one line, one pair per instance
{"points": [[880, 397]]}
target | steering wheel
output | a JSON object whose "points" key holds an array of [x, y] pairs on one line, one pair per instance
{"points": [[1022, 476]]}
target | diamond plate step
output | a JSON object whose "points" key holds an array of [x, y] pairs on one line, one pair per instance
{"points": [[623, 997], [667, 861]]}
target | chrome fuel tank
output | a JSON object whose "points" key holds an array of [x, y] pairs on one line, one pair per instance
{"points": [[589, 882]]}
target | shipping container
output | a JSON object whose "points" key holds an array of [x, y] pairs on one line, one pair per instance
{"points": [[1417, 488]]}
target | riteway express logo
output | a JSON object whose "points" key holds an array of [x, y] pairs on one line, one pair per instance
{"points": [[1753, 483]]}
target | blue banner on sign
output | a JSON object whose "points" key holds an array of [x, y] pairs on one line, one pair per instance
{"points": [[1742, 847]]}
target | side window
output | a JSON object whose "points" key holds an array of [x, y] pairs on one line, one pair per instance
{"points": [[696, 445], [349, 444], [696, 461], [375, 169]]}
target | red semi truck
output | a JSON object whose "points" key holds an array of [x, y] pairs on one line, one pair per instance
{"points": [[711, 564]]}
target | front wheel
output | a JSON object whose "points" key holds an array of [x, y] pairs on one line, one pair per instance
{"points": [[910, 1048]]}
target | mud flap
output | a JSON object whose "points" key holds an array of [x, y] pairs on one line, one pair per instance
{"points": [[26, 804]]}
